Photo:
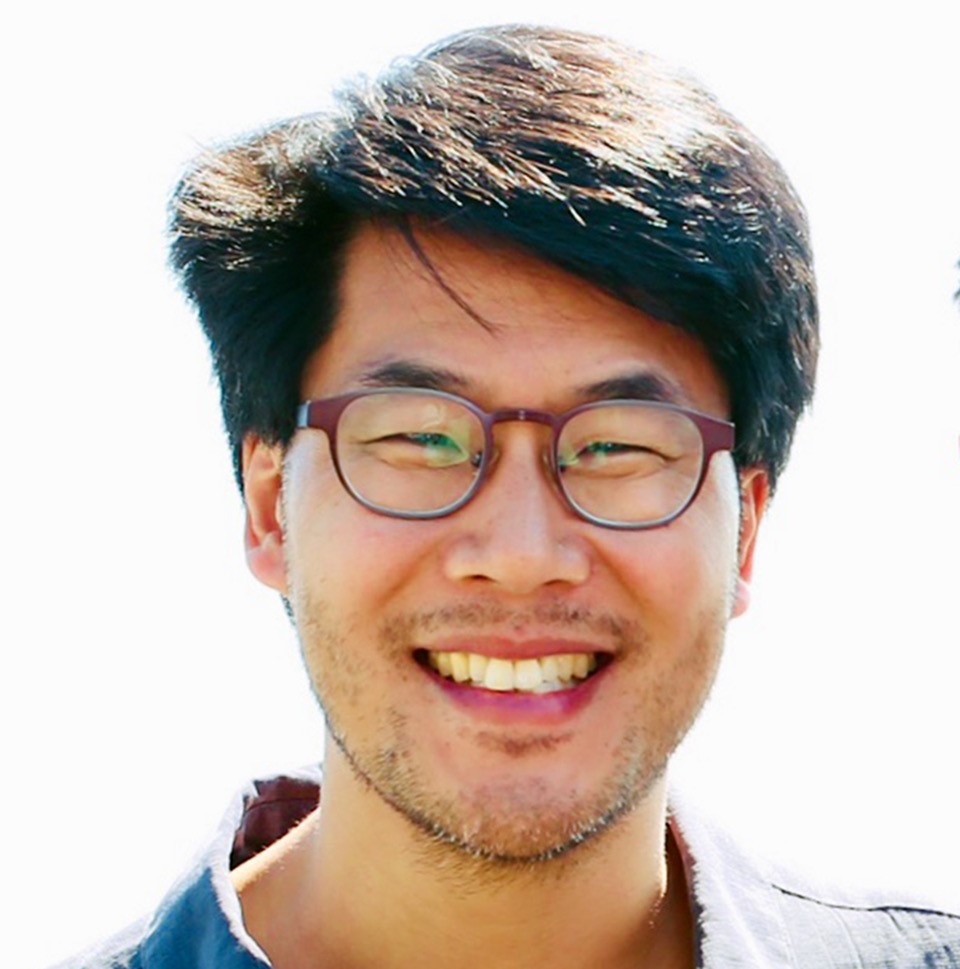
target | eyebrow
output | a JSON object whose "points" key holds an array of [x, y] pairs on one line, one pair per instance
{"points": [[406, 373], [641, 385]]}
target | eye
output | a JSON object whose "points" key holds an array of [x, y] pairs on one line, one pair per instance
{"points": [[426, 449], [612, 458], [441, 448], [611, 447], [431, 439]]}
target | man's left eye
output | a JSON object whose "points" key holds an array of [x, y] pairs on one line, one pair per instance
{"points": [[598, 450]]}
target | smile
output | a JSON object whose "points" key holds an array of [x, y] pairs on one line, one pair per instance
{"points": [[545, 674]]}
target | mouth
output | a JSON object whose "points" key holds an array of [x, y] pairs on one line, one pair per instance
{"points": [[544, 674]]}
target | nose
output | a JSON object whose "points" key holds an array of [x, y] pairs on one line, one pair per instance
{"points": [[518, 535]]}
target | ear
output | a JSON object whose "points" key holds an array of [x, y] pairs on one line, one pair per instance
{"points": [[262, 466], [754, 493]]}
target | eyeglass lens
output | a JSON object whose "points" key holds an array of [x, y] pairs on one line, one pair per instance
{"points": [[623, 461]]}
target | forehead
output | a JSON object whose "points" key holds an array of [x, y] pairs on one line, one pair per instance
{"points": [[495, 323]]}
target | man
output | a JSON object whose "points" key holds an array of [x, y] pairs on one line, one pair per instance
{"points": [[512, 345]]}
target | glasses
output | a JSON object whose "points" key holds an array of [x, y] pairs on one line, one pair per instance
{"points": [[412, 453]]}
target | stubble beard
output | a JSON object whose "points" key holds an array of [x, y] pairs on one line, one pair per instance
{"points": [[506, 828]]}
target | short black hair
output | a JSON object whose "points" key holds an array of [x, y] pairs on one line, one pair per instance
{"points": [[588, 154]]}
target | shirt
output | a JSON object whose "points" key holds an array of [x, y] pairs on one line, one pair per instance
{"points": [[748, 915]]}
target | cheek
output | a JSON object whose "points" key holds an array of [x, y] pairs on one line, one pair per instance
{"points": [[339, 553], [681, 585], [684, 574]]}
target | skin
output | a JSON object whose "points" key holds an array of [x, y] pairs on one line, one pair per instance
{"points": [[438, 818]]}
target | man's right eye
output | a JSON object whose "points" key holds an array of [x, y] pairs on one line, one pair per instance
{"points": [[421, 448], [431, 439]]}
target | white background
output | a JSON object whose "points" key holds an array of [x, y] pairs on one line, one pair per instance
{"points": [[145, 674]]}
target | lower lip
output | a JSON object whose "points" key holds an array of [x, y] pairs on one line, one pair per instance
{"points": [[513, 708]]}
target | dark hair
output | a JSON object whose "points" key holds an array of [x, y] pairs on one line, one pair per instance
{"points": [[588, 154]]}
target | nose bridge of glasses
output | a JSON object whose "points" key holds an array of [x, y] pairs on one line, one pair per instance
{"points": [[522, 415], [525, 415]]}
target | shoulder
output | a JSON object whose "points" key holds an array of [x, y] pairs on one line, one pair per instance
{"points": [[196, 926], [199, 924], [121, 951], [751, 913], [865, 928]]}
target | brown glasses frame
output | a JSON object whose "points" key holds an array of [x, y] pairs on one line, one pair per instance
{"points": [[324, 415]]}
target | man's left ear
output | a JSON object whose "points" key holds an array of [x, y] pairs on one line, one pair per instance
{"points": [[754, 493]]}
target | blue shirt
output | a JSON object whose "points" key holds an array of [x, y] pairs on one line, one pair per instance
{"points": [[747, 915]]}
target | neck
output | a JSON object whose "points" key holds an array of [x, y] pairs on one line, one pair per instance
{"points": [[357, 885]]}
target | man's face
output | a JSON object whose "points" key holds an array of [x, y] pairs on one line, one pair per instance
{"points": [[514, 575]]}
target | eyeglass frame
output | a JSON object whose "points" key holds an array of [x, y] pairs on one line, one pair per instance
{"points": [[323, 414]]}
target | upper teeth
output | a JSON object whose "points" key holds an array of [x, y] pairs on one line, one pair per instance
{"points": [[541, 675]]}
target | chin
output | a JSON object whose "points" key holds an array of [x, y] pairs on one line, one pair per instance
{"points": [[507, 840], [512, 820]]}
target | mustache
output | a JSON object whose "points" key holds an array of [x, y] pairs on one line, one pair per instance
{"points": [[488, 614]]}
